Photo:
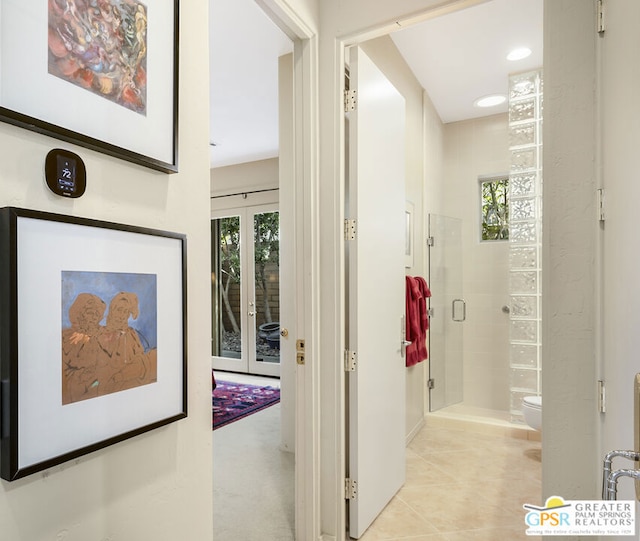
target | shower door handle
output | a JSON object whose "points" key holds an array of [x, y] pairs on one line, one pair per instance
{"points": [[454, 316]]}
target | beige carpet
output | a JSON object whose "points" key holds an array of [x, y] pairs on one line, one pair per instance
{"points": [[253, 481]]}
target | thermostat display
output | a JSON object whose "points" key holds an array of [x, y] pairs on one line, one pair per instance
{"points": [[65, 173]]}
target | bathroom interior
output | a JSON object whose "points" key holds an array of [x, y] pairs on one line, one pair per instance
{"points": [[486, 325], [484, 338]]}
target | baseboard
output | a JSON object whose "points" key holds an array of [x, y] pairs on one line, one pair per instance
{"points": [[415, 430]]}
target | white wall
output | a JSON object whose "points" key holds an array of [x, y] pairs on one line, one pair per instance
{"points": [[244, 177], [620, 115], [158, 485], [433, 151], [571, 460], [475, 148]]}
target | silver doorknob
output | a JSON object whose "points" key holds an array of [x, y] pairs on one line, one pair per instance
{"points": [[252, 313]]}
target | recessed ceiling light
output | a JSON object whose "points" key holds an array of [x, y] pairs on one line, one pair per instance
{"points": [[519, 53], [490, 101]]}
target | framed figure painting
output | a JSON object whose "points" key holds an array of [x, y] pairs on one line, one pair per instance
{"points": [[92, 336]]}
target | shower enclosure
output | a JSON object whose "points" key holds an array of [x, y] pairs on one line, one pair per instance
{"points": [[503, 343], [447, 311]]}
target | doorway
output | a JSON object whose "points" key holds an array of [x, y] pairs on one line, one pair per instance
{"points": [[246, 290], [425, 190], [298, 188]]}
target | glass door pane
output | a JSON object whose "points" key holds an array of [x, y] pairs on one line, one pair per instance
{"points": [[445, 325], [266, 250], [227, 280], [230, 287]]}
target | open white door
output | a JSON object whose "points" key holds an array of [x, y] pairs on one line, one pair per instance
{"points": [[376, 285]]}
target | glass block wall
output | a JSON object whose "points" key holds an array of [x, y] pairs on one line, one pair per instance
{"points": [[525, 212]]}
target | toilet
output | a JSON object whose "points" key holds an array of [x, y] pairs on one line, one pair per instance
{"points": [[532, 411]]}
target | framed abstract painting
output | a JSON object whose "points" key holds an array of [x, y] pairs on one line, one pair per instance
{"points": [[102, 74], [92, 336]]}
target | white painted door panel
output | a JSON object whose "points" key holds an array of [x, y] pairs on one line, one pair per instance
{"points": [[376, 286]]}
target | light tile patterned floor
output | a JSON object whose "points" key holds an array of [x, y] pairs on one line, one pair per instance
{"points": [[463, 485]]}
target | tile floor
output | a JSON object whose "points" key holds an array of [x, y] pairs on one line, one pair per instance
{"points": [[464, 483]]}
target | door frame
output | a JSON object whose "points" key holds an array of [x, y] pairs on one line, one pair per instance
{"points": [[299, 200], [334, 336]]}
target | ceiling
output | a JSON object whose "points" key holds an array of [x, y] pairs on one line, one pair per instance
{"points": [[243, 61], [457, 58]]}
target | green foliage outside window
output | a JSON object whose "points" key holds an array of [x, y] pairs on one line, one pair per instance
{"points": [[266, 251], [495, 209]]}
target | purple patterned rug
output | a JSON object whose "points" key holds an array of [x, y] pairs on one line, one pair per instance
{"points": [[233, 401]]}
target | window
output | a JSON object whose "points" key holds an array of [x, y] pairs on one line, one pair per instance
{"points": [[495, 208]]}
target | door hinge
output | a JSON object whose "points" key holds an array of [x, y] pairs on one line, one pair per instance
{"points": [[349, 361], [300, 352], [350, 489], [600, 204], [430, 241], [430, 312], [431, 383], [350, 101], [600, 16], [601, 397], [349, 229]]}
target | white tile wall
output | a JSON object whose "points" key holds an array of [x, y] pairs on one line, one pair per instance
{"points": [[472, 149]]}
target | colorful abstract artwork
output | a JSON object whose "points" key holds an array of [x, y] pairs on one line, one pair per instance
{"points": [[109, 333], [101, 45]]}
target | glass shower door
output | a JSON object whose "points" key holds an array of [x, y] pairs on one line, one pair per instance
{"points": [[447, 311]]}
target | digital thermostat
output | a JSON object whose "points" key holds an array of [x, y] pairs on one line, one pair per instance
{"points": [[65, 173]]}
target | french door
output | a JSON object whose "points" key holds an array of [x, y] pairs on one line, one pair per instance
{"points": [[245, 247]]}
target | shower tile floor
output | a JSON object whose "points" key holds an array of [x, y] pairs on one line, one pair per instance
{"points": [[465, 482]]}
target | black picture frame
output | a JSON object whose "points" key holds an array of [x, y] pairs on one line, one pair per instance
{"points": [[76, 376], [85, 107]]}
